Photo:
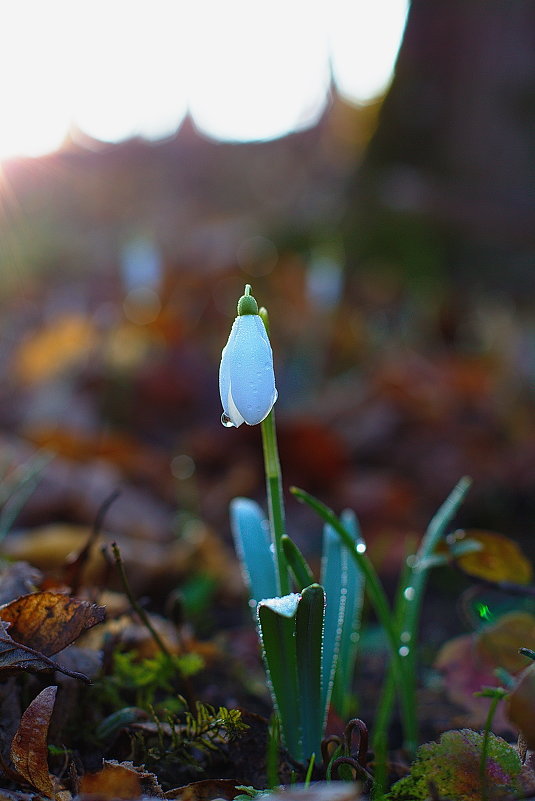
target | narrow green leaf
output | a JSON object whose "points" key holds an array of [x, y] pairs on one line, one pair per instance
{"points": [[308, 641], [349, 635], [253, 546], [334, 572], [277, 629], [297, 563], [381, 605]]}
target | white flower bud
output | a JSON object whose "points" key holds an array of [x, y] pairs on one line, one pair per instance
{"points": [[246, 377]]}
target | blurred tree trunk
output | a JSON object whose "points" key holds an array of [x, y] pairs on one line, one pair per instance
{"points": [[447, 187]]}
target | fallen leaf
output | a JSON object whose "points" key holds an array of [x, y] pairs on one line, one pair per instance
{"points": [[29, 752], [468, 663], [48, 622], [499, 644], [120, 780], [499, 559], [15, 657], [520, 705], [465, 672]]}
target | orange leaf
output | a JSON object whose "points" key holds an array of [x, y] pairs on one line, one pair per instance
{"points": [[521, 705], [48, 622], [119, 780], [29, 752], [500, 559]]}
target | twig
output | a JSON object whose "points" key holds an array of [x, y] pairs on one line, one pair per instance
{"points": [[72, 571], [135, 605]]}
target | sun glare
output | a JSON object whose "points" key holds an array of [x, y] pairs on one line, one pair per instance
{"points": [[245, 69]]}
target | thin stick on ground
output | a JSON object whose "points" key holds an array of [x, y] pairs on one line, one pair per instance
{"points": [[135, 605]]}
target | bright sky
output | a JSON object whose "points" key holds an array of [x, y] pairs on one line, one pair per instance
{"points": [[245, 69]]}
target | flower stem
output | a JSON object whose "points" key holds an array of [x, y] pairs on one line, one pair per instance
{"points": [[275, 498]]}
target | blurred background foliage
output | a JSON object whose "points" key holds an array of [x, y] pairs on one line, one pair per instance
{"points": [[393, 246]]}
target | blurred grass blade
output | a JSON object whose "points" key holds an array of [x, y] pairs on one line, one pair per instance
{"points": [[334, 572], [349, 635], [253, 545], [297, 563], [308, 641], [420, 564], [277, 629]]}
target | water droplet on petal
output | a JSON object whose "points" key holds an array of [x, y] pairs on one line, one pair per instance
{"points": [[226, 421]]}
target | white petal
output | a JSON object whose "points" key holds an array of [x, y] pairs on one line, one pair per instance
{"points": [[224, 370], [251, 373], [232, 412]]}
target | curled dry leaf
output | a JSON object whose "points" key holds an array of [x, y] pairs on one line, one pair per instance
{"points": [[120, 780], [48, 622], [29, 752], [15, 657]]}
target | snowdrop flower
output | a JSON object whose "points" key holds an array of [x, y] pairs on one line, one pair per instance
{"points": [[246, 378]]}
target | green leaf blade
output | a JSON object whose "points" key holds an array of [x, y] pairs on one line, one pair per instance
{"points": [[308, 640], [276, 618], [297, 563], [253, 546]]}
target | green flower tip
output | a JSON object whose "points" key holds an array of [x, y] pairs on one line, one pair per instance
{"points": [[247, 304]]}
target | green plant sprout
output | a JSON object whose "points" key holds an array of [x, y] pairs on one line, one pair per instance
{"points": [[309, 637]]}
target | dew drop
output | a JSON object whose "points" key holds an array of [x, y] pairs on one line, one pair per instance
{"points": [[409, 593], [361, 547], [405, 636], [404, 651], [252, 603], [226, 421]]}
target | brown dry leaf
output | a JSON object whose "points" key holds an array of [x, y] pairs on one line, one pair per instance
{"points": [[520, 705], [120, 780], [499, 644], [29, 752], [15, 657], [500, 559], [468, 663], [48, 622]]}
